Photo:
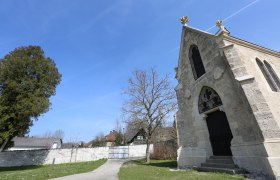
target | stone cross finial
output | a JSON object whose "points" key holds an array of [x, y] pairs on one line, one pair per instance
{"points": [[184, 20], [219, 23], [222, 28]]}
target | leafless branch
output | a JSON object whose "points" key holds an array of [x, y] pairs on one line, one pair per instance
{"points": [[149, 100]]}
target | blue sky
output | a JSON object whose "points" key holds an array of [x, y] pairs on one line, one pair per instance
{"points": [[97, 44]]}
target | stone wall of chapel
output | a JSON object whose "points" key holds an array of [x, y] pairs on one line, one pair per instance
{"points": [[248, 57], [250, 105], [192, 129]]}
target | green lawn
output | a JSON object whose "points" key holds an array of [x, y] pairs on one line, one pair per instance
{"points": [[48, 171], [157, 169]]}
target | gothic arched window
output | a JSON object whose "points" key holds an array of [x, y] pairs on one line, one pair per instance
{"points": [[208, 99], [269, 74], [196, 62], [273, 74]]}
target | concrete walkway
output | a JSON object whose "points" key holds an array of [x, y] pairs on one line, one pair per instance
{"points": [[108, 171]]}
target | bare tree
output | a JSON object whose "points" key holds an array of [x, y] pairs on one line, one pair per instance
{"points": [[47, 134], [150, 100], [56, 134], [99, 140], [118, 126]]}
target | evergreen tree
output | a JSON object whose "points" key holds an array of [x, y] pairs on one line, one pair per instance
{"points": [[27, 80]]}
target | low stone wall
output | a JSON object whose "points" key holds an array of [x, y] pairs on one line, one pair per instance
{"points": [[58, 156], [138, 150]]}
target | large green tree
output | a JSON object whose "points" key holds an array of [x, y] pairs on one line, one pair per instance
{"points": [[27, 80]]}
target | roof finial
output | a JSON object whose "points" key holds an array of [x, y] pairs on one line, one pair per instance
{"points": [[219, 23], [222, 28], [184, 20]]}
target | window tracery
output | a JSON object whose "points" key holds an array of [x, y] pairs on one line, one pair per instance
{"points": [[269, 74], [208, 99]]}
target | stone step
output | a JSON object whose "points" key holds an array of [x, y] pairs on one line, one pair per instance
{"points": [[220, 161], [220, 157], [222, 170], [219, 165]]}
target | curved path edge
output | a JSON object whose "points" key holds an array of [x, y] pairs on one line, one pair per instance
{"points": [[108, 171]]}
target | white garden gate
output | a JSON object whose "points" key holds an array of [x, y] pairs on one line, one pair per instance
{"points": [[118, 152]]}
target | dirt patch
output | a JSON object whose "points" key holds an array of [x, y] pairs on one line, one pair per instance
{"points": [[129, 164]]}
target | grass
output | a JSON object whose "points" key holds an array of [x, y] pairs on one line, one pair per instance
{"points": [[48, 171], [158, 169]]}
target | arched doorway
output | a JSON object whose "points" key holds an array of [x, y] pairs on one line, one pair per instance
{"points": [[220, 134]]}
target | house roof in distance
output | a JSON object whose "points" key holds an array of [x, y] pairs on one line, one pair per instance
{"points": [[160, 134], [34, 142], [111, 137], [130, 135]]}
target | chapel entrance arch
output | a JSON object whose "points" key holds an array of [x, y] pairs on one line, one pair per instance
{"points": [[220, 134]]}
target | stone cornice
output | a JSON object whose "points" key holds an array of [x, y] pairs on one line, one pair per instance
{"points": [[251, 45], [199, 31], [237, 41]]}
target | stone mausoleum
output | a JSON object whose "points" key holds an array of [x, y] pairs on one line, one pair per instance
{"points": [[229, 102]]}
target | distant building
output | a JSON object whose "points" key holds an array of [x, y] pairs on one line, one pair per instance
{"points": [[159, 135], [111, 138], [135, 137], [32, 143]]}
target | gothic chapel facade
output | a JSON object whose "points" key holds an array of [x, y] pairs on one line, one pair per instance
{"points": [[229, 101]]}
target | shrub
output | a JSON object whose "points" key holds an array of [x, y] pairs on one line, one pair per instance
{"points": [[165, 150]]}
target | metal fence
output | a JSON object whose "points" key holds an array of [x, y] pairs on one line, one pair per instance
{"points": [[118, 152]]}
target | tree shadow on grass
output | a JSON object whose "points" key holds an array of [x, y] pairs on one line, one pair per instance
{"points": [[156, 163], [16, 168], [169, 164]]}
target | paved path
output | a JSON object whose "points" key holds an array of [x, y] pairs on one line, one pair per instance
{"points": [[108, 171]]}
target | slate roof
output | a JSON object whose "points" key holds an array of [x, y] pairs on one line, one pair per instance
{"points": [[160, 134], [33, 142], [130, 135]]}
